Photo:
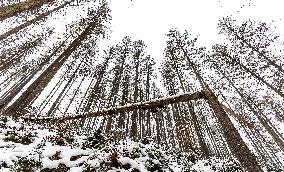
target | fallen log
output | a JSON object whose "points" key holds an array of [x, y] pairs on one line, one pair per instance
{"points": [[157, 103]]}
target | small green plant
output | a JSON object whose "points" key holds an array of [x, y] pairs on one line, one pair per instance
{"points": [[153, 165], [95, 140], [17, 138], [3, 121], [113, 160], [58, 140], [3, 164], [136, 153], [26, 165]]}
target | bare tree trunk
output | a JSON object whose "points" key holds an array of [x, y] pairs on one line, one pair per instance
{"points": [[12, 10], [115, 88], [235, 142], [66, 87], [158, 103], [197, 127], [201, 141], [133, 132], [261, 119], [16, 90], [41, 82], [32, 21], [255, 49], [257, 77], [148, 123]]}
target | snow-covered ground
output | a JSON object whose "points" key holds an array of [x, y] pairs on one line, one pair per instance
{"points": [[25, 147]]}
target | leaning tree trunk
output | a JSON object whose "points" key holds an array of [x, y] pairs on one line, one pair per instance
{"points": [[42, 81], [262, 119], [255, 49], [28, 78], [96, 25], [235, 142], [12, 10], [32, 21], [255, 75], [158, 103], [67, 86], [233, 138]]}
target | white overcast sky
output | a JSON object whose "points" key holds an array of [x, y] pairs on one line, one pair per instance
{"points": [[150, 20]]}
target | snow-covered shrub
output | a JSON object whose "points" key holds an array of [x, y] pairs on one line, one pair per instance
{"points": [[56, 139], [26, 165], [18, 136], [215, 164], [3, 164], [52, 150], [60, 168], [95, 140], [3, 121], [274, 168]]}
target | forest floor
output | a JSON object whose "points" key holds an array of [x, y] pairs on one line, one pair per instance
{"points": [[30, 148]]}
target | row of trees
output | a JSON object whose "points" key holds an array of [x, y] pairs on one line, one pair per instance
{"points": [[239, 86]]}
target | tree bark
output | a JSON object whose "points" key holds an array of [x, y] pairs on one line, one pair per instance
{"points": [[17, 89], [32, 21], [255, 49], [41, 82], [133, 131], [256, 76], [158, 103], [233, 138], [12, 10]]}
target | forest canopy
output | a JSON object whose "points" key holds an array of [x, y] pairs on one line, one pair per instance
{"points": [[224, 101]]}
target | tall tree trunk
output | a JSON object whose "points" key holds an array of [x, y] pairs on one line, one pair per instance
{"points": [[148, 123], [256, 76], [255, 49], [197, 127], [169, 128], [275, 135], [96, 87], [201, 141], [32, 21], [41, 82], [75, 93], [14, 55], [121, 124], [17, 89], [235, 142], [133, 132], [115, 88], [12, 10], [63, 91]]}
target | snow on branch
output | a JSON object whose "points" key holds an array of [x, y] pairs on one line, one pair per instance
{"points": [[154, 104]]}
